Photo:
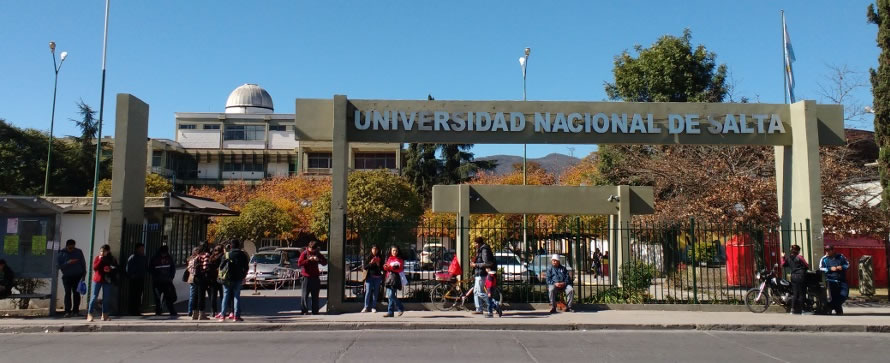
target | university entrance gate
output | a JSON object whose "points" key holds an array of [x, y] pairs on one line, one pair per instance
{"points": [[796, 131]]}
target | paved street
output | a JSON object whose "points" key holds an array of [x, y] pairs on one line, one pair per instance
{"points": [[453, 346]]}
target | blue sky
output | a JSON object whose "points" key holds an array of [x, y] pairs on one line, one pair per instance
{"points": [[186, 56]]}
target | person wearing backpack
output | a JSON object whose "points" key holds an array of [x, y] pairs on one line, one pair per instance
{"points": [[104, 275], [163, 270], [232, 272]]}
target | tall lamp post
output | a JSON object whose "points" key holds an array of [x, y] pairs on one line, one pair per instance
{"points": [[523, 62], [52, 119], [98, 150]]}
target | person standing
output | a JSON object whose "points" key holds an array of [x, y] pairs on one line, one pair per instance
{"points": [[104, 271], [373, 279], [558, 278], [310, 283], [137, 269], [233, 270], [7, 279], [215, 287], [394, 267], [491, 283], [163, 270], [484, 259], [189, 277], [201, 281], [835, 266], [798, 266], [597, 260], [74, 268]]}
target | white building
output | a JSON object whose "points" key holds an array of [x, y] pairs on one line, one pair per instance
{"points": [[249, 142]]}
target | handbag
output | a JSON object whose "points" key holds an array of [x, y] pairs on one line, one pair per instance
{"points": [[364, 275], [82, 288], [393, 282]]}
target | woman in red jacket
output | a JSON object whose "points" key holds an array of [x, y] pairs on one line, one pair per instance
{"points": [[394, 267], [104, 268]]}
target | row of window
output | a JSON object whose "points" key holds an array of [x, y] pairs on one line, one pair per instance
{"points": [[238, 132], [361, 160]]}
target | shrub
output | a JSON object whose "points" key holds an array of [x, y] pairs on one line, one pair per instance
{"points": [[637, 275]]}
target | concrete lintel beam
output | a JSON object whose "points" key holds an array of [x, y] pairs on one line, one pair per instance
{"points": [[543, 199]]}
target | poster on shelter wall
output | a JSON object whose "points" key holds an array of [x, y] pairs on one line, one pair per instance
{"points": [[38, 245], [11, 244], [12, 225]]}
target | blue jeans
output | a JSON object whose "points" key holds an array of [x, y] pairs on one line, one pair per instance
{"points": [[372, 287], [479, 295], [232, 289], [393, 301], [193, 295], [105, 287], [492, 304]]}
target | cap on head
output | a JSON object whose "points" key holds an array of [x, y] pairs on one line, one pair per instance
{"points": [[554, 257], [829, 248]]}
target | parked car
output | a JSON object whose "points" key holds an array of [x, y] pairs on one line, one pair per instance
{"points": [[510, 265], [265, 265], [323, 270], [291, 255], [539, 265], [431, 254]]}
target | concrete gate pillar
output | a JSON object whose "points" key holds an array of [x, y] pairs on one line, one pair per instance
{"points": [[619, 223], [798, 180], [128, 173], [339, 179], [463, 228]]}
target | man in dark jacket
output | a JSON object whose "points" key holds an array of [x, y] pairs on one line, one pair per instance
{"points": [[235, 263], [163, 270], [310, 282], [798, 266], [7, 279], [484, 259], [74, 268], [558, 278], [835, 266], [137, 269]]}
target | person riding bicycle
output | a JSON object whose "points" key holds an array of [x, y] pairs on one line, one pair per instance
{"points": [[484, 259]]}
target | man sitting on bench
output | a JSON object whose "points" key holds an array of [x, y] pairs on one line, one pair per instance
{"points": [[558, 279], [7, 279]]}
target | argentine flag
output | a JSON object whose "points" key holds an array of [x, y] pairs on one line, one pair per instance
{"points": [[789, 58]]}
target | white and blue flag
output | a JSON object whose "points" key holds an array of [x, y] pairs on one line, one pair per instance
{"points": [[789, 58]]}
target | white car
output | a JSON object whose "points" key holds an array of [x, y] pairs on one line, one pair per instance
{"points": [[512, 269], [323, 270]]}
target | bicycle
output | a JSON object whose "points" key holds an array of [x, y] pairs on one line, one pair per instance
{"points": [[451, 293]]}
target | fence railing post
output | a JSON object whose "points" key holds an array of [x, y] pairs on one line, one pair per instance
{"points": [[694, 262]]}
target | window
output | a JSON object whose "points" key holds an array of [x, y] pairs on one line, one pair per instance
{"points": [[245, 132], [319, 160], [277, 128], [187, 126], [375, 160], [245, 163], [211, 126], [156, 157]]}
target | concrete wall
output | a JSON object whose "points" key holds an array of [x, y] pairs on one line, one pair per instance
{"points": [[282, 140], [208, 170], [198, 139], [244, 144]]}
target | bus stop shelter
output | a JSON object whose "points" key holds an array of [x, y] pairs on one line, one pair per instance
{"points": [[30, 228]]}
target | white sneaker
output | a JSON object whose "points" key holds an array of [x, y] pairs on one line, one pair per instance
{"points": [[373, 310], [364, 310]]}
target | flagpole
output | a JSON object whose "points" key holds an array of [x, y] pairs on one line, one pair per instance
{"points": [[98, 154], [784, 58]]}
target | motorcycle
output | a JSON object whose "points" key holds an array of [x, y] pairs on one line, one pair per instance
{"points": [[773, 289]]}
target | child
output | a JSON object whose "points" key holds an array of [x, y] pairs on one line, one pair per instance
{"points": [[491, 282]]}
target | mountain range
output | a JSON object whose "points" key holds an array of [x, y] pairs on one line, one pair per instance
{"points": [[554, 163]]}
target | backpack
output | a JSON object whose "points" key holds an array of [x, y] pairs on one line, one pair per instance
{"points": [[229, 271]]}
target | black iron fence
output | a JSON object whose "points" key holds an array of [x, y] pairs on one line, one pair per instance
{"points": [[679, 262]]}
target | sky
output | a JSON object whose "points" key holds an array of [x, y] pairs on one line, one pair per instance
{"points": [[187, 56]]}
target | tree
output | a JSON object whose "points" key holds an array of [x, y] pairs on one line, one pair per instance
{"points": [[23, 163], [89, 126], [839, 87], [422, 167], [880, 88], [155, 186], [668, 71], [259, 219], [376, 201]]}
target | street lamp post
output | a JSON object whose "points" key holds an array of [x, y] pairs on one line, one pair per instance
{"points": [[52, 119], [523, 62]]}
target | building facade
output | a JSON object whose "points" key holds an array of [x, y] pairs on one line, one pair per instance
{"points": [[249, 142]]}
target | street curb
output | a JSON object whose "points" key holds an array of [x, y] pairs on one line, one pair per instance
{"points": [[340, 326]]}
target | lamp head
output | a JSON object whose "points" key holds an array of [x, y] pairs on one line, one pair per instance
{"points": [[52, 47], [63, 55], [527, 51]]}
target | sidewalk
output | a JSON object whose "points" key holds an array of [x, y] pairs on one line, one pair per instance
{"points": [[857, 319]]}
